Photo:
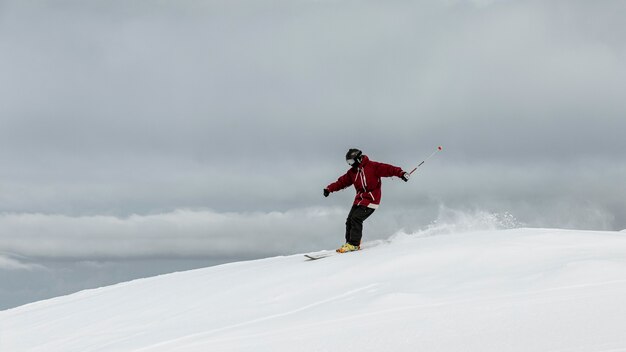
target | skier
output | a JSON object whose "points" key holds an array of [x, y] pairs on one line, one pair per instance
{"points": [[365, 175]]}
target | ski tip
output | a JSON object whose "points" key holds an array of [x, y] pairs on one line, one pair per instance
{"points": [[317, 256]]}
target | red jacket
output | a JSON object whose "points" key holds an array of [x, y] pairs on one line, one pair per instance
{"points": [[366, 180]]}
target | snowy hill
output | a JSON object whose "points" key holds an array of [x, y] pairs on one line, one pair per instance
{"points": [[505, 290]]}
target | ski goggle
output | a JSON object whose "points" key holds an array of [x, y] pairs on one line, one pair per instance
{"points": [[350, 161]]}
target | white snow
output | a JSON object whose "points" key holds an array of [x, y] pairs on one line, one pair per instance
{"points": [[498, 290]]}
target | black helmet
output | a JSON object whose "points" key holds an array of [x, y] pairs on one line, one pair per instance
{"points": [[353, 157]]}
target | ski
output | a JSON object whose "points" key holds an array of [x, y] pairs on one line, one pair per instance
{"points": [[325, 254], [320, 255]]}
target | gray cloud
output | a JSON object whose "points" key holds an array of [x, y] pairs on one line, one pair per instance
{"points": [[13, 264], [180, 234]]}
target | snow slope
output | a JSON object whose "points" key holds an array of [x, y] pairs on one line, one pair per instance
{"points": [[505, 290]]}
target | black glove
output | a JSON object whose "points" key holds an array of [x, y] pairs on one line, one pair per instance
{"points": [[405, 177], [326, 192]]}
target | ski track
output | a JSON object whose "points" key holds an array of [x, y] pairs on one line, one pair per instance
{"points": [[183, 344], [402, 309], [612, 349], [255, 321]]}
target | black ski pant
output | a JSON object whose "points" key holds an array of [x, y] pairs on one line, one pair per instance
{"points": [[354, 223]]}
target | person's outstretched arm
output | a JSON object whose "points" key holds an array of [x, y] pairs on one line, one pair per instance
{"points": [[341, 183], [387, 170]]}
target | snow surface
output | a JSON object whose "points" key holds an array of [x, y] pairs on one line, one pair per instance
{"points": [[502, 290]]}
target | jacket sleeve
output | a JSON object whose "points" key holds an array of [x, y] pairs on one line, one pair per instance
{"points": [[341, 183], [386, 170]]}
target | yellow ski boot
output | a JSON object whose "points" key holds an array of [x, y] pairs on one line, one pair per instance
{"points": [[348, 248]]}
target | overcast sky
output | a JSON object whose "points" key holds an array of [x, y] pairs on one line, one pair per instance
{"points": [[149, 136]]}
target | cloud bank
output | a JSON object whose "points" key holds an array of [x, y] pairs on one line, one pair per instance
{"points": [[182, 234]]}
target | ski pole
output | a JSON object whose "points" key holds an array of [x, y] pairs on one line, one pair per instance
{"points": [[430, 156]]}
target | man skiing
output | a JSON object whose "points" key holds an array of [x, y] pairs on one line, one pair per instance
{"points": [[365, 175]]}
